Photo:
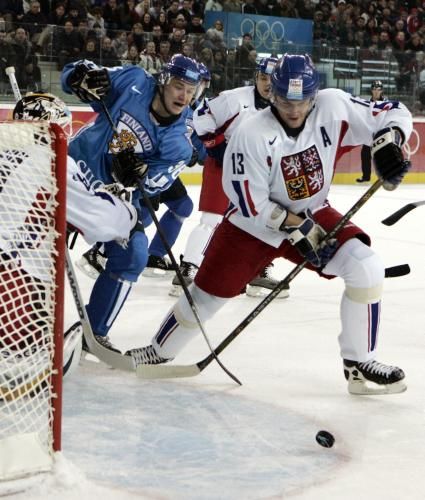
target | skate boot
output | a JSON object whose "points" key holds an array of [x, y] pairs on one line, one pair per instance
{"points": [[188, 271], [146, 356], [262, 284], [157, 267], [92, 263], [103, 340], [383, 379]]}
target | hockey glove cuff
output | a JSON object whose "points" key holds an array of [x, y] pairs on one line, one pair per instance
{"points": [[89, 83], [390, 164], [307, 238]]}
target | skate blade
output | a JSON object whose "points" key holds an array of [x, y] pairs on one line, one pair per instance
{"points": [[360, 388], [152, 272], [84, 266], [259, 291], [175, 291]]}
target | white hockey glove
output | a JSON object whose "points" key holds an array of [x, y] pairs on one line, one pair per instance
{"points": [[118, 190], [390, 164], [307, 238]]}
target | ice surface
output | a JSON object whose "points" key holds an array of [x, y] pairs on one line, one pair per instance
{"points": [[206, 438]]}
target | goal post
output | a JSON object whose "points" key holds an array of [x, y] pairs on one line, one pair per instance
{"points": [[32, 264]]}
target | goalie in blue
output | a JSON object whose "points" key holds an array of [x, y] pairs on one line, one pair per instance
{"points": [[152, 145]]}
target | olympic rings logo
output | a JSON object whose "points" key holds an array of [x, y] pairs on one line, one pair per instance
{"points": [[267, 35], [412, 146]]}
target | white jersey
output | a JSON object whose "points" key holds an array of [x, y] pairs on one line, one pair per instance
{"points": [[264, 166], [224, 113]]}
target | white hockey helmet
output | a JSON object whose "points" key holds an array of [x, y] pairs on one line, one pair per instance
{"points": [[43, 106]]}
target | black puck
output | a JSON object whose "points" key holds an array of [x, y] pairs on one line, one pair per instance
{"points": [[325, 439]]}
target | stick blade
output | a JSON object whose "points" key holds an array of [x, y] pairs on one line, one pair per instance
{"points": [[167, 371], [397, 271], [396, 216]]}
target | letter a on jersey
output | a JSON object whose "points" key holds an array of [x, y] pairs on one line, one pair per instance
{"points": [[325, 137]]}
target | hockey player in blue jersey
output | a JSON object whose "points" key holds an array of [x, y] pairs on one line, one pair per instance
{"points": [[151, 145], [178, 203]]}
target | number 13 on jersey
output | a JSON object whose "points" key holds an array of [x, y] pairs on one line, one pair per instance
{"points": [[237, 163]]}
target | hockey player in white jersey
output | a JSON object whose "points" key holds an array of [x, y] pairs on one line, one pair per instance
{"points": [[215, 121], [111, 214], [277, 172]]}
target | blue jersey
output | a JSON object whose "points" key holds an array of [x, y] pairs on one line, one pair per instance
{"points": [[165, 149]]}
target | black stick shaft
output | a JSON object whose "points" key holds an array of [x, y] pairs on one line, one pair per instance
{"points": [[174, 262]]}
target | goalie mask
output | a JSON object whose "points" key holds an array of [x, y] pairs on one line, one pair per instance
{"points": [[43, 106]]}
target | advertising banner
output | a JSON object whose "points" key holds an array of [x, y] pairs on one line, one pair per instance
{"points": [[269, 33]]}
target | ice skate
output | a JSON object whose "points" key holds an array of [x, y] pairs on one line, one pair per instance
{"points": [[103, 340], [371, 377], [158, 267], [188, 271], [146, 356], [92, 262], [262, 284]]}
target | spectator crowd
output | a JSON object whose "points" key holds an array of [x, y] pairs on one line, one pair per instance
{"points": [[149, 32]]}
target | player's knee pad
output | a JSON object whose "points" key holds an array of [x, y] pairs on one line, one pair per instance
{"points": [[207, 306], [362, 270], [210, 220], [182, 207]]}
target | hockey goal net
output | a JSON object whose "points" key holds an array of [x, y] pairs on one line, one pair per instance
{"points": [[32, 243]]}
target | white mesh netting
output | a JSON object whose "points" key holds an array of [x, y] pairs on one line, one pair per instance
{"points": [[27, 288]]}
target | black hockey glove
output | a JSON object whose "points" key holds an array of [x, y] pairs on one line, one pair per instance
{"points": [[88, 83], [128, 168], [194, 159], [307, 238], [390, 164]]}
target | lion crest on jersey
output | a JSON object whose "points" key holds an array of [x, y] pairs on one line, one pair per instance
{"points": [[131, 134], [303, 173], [124, 140]]}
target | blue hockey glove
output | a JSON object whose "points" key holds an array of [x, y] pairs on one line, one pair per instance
{"points": [[307, 238], [90, 83], [128, 168], [390, 164]]}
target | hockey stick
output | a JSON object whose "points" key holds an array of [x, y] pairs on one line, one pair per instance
{"points": [[176, 267], [10, 72], [111, 358], [175, 371], [396, 216], [397, 271]]}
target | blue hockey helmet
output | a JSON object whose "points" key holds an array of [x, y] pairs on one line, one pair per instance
{"points": [[266, 65], [204, 83], [295, 78], [181, 67], [204, 72]]}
